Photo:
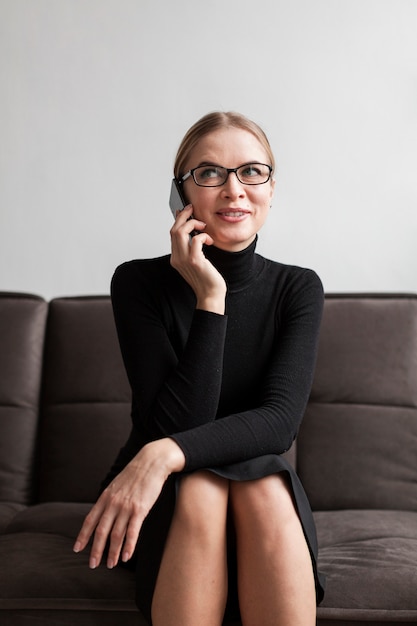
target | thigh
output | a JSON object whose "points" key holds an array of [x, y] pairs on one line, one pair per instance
{"points": [[271, 509], [182, 498]]}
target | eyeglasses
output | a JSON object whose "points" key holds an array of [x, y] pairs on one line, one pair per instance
{"points": [[216, 175]]}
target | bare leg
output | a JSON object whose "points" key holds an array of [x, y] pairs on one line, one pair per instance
{"points": [[191, 587], [275, 575]]}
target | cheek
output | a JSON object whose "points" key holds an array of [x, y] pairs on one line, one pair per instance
{"points": [[202, 201], [263, 199]]}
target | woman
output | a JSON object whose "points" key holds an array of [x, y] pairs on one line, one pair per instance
{"points": [[219, 345]]}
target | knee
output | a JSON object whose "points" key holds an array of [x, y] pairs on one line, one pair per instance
{"points": [[266, 502], [202, 503]]}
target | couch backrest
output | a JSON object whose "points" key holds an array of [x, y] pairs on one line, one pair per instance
{"points": [[85, 416], [22, 328], [357, 447]]}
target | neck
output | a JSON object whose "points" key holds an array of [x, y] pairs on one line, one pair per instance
{"points": [[237, 268]]}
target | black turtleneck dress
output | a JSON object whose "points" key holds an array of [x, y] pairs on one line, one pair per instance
{"points": [[230, 389]]}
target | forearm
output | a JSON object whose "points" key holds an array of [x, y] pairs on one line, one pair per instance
{"points": [[176, 396], [236, 438]]}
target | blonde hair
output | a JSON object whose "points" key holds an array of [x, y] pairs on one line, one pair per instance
{"points": [[210, 123]]}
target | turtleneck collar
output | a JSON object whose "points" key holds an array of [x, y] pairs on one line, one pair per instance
{"points": [[238, 269]]}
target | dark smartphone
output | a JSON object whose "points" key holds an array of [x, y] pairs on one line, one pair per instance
{"points": [[176, 199]]}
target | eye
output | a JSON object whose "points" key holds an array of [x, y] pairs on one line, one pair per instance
{"points": [[254, 173], [209, 175], [209, 171], [252, 169]]}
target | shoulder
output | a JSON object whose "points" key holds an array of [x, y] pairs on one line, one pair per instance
{"points": [[141, 267], [141, 276], [140, 271], [292, 277], [296, 290]]}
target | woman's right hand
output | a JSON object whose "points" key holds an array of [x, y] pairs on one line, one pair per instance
{"points": [[118, 514], [188, 258]]}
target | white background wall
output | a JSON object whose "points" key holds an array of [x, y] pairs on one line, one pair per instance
{"points": [[96, 95]]}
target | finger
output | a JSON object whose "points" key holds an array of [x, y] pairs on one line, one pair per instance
{"points": [[185, 211], [117, 538], [87, 529], [188, 231], [185, 222], [180, 242], [101, 535], [125, 534], [132, 536], [182, 216], [199, 240]]}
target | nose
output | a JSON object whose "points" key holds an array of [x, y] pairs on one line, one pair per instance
{"points": [[233, 187]]}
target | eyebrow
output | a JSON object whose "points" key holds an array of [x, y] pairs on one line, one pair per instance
{"points": [[203, 163]]}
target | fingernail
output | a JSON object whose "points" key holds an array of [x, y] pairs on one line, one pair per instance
{"points": [[110, 564], [93, 563], [77, 546], [125, 557]]}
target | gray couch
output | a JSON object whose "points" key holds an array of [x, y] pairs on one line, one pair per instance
{"points": [[64, 412]]}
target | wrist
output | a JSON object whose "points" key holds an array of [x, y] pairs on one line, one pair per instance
{"points": [[167, 454], [175, 457], [212, 304]]}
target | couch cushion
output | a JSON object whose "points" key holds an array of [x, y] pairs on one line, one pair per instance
{"points": [[22, 329], [368, 351], [8, 511], [369, 559], [359, 457], [86, 400], [56, 518], [37, 544], [357, 444], [52, 585]]}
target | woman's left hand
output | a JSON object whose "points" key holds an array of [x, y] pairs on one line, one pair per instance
{"points": [[119, 512]]}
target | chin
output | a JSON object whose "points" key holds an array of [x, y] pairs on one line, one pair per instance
{"points": [[233, 244]]}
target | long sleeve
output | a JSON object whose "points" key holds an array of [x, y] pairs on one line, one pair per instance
{"points": [[271, 425], [169, 362]]}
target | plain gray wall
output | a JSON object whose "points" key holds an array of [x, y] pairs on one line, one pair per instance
{"points": [[96, 95]]}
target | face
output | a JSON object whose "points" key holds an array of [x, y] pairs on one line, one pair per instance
{"points": [[234, 212]]}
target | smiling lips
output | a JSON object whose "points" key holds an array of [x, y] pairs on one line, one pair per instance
{"points": [[233, 214]]}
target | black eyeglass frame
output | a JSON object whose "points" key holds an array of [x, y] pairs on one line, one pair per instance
{"points": [[229, 170]]}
